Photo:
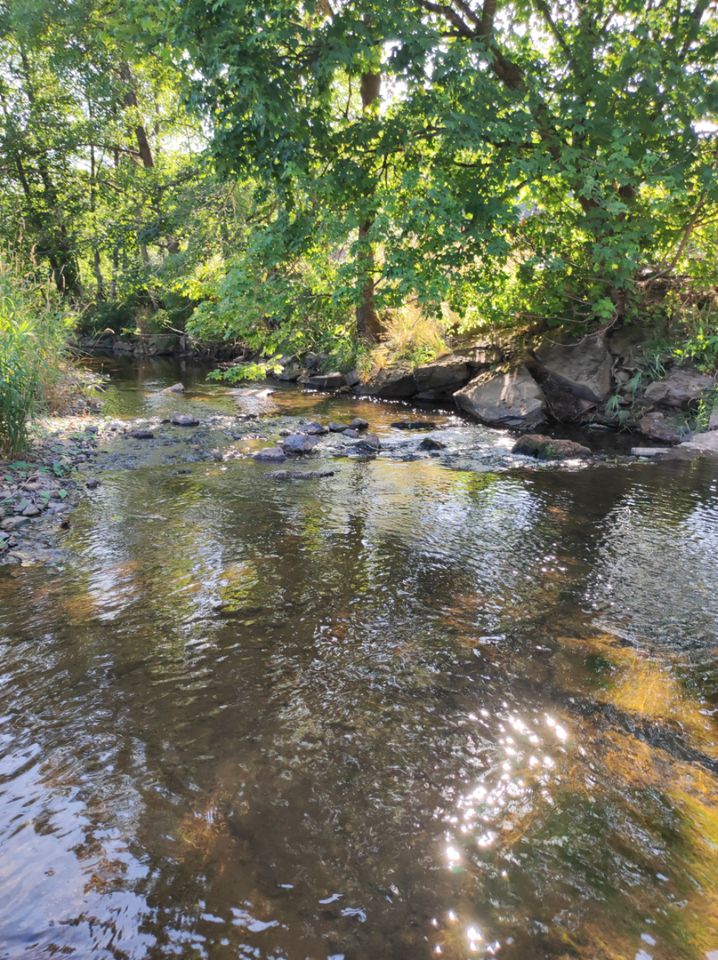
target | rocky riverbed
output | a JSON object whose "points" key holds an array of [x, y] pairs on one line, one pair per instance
{"points": [[303, 433]]}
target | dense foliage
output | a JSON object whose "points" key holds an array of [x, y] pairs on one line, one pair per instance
{"points": [[292, 173]]}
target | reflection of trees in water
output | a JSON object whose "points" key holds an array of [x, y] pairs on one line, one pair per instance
{"points": [[277, 686]]}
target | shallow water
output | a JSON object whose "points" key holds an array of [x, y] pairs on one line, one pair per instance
{"points": [[402, 712]]}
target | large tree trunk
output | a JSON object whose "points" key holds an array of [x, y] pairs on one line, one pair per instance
{"points": [[368, 324]]}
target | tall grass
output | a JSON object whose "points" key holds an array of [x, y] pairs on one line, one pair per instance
{"points": [[33, 335], [409, 335]]}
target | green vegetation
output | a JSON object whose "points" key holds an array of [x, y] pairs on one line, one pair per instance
{"points": [[33, 332], [322, 176]]}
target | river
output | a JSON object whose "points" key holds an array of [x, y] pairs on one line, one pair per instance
{"points": [[410, 710]]}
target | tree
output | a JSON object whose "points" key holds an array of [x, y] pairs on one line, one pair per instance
{"points": [[531, 159]]}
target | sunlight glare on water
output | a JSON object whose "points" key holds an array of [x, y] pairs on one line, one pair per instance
{"points": [[405, 711]]}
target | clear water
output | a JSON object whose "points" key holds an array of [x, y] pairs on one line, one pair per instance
{"points": [[402, 712]]}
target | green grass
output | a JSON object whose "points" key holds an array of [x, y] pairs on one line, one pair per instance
{"points": [[33, 336]]}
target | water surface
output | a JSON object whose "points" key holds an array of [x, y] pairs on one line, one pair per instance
{"points": [[401, 712]]}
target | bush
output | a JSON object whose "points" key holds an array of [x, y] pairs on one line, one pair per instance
{"points": [[33, 336]]}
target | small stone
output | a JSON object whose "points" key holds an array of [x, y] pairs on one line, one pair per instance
{"points": [[315, 429], [142, 435], [358, 424], [368, 444], [92, 483], [32, 511], [14, 523], [430, 443], [270, 455], [184, 420]]}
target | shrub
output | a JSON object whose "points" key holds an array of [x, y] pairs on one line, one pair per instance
{"points": [[33, 336]]}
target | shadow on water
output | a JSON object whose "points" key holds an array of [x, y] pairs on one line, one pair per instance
{"points": [[400, 712]]}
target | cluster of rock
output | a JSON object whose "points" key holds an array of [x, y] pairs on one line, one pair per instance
{"points": [[303, 441], [36, 493], [557, 383]]}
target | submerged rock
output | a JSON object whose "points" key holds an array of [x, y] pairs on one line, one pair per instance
{"points": [[550, 448], [300, 474], [142, 435], [414, 425], [511, 399], [175, 388]]}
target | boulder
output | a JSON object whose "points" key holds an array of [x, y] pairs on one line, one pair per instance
{"points": [[297, 444], [581, 369], [270, 455], [441, 378], [392, 383], [289, 373], [175, 388], [335, 427], [657, 426], [323, 381], [702, 444], [550, 448], [681, 388], [511, 399]]}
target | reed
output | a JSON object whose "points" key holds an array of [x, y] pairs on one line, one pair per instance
{"points": [[34, 329]]}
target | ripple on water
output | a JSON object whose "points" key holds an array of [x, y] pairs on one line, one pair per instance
{"points": [[404, 712]]}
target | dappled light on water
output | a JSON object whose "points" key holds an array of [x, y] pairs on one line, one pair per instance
{"points": [[405, 711]]}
